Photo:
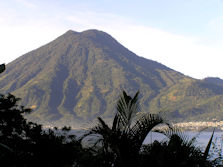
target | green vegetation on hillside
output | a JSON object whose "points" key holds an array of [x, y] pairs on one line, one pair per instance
{"points": [[77, 77]]}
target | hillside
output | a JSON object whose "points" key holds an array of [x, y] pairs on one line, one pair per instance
{"points": [[79, 75], [214, 80]]}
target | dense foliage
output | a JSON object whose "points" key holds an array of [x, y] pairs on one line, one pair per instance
{"points": [[25, 143]]}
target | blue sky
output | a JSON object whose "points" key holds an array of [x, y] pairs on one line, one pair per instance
{"points": [[185, 35]]}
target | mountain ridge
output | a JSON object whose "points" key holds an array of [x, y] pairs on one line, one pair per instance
{"points": [[79, 75], [214, 80]]}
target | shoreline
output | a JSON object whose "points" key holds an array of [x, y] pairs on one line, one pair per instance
{"points": [[199, 125], [185, 126]]}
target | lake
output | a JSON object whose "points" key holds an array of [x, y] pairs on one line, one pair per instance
{"points": [[202, 139]]}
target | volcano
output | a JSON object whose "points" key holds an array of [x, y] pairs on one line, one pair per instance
{"points": [[79, 76]]}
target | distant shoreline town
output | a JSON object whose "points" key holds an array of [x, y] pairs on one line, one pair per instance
{"points": [[198, 125], [186, 126]]}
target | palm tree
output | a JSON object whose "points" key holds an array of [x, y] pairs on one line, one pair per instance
{"points": [[129, 129]]}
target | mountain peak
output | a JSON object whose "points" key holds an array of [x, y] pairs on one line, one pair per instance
{"points": [[91, 34], [78, 76], [71, 32]]}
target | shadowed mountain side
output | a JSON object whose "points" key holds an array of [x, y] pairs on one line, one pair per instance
{"points": [[78, 77], [214, 80]]}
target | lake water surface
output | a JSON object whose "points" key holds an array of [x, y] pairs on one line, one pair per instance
{"points": [[202, 138]]}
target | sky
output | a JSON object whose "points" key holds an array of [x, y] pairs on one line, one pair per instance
{"points": [[185, 35]]}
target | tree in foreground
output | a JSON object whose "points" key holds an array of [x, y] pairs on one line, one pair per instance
{"points": [[121, 144], [24, 143]]}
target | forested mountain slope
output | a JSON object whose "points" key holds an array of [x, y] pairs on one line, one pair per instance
{"points": [[79, 75]]}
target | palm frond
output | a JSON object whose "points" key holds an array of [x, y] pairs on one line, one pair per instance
{"points": [[6, 147], [194, 138], [122, 107], [143, 126], [179, 133], [101, 129], [115, 123], [169, 132], [179, 140], [127, 107], [102, 123], [206, 152], [133, 107]]}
